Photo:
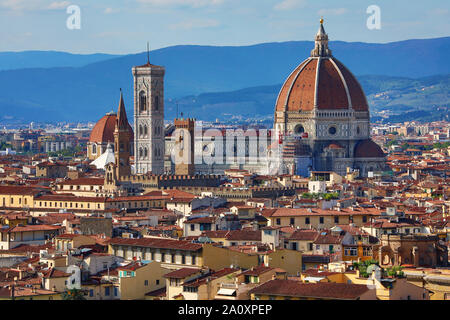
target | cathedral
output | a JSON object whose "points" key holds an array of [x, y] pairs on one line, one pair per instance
{"points": [[322, 118]]}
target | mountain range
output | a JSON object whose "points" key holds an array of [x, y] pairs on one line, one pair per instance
{"points": [[85, 87], [387, 96]]}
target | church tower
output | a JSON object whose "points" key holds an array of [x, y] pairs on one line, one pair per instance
{"points": [[149, 143], [184, 146], [122, 142]]}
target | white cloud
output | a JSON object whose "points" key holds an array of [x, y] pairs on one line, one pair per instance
{"points": [[289, 4], [15, 5], [110, 11], [195, 24], [179, 3], [32, 5], [332, 12], [58, 5]]}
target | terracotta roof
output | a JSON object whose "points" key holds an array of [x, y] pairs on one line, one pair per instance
{"points": [[182, 273], [256, 271], [215, 234], [157, 293], [19, 190], [24, 248], [328, 238], [353, 230], [25, 291], [293, 288], [133, 266], [54, 273], [37, 227], [179, 195], [300, 90], [202, 220], [244, 235], [84, 181], [304, 235], [209, 276], [103, 131]]}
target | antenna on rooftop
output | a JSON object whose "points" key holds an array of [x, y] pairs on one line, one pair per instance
{"points": [[148, 52]]}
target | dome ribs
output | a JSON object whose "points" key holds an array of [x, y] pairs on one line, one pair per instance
{"points": [[331, 93], [287, 86], [104, 129], [301, 97], [358, 98]]}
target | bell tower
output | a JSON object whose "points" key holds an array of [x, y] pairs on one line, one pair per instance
{"points": [[149, 142], [122, 142], [184, 146]]}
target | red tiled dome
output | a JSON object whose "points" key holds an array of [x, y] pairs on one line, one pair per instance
{"points": [[324, 87], [368, 149], [321, 82], [103, 131]]}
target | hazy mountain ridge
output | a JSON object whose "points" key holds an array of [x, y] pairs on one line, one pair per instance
{"points": [[87, 92], [395, 94], [48, 59]]}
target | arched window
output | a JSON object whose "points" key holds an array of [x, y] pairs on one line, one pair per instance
{"points": [[94, 148], [140, 131], [145, 130], [145, 153], [142, 101], [140, 153]]}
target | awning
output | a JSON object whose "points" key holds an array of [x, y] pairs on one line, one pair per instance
{"points": [[226, 292]]}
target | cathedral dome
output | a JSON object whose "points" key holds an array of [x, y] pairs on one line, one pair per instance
{"points": [[368, 149], [321, 82], [103, 131]]}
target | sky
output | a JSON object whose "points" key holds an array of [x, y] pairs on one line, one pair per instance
{"points": [[125, 26]]}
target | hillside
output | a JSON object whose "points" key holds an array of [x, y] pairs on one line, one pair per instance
{"points": [[86, 92], [48, 59], [388, 97]]}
